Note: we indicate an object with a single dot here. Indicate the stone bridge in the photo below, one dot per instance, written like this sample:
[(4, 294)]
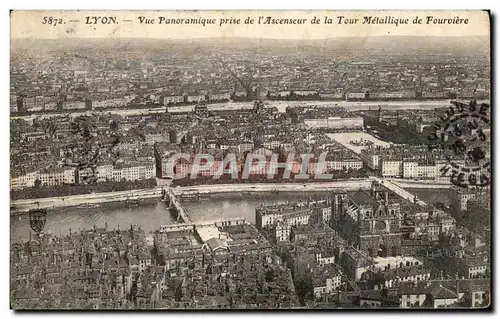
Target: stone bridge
[(173, 204)]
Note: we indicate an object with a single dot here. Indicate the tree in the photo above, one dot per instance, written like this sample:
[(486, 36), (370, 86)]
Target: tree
[(38, 183), (270, 274), (178, 293), (304, 288)]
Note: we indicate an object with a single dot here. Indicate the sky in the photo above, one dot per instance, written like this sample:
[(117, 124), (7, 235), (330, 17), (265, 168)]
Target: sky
[(29, 24)]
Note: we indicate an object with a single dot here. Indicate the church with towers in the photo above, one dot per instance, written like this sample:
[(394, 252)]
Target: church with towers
[(371, 221)]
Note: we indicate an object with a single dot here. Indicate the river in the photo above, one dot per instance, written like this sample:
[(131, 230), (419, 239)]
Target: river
[(280, 105), (222, 206), (432, 196), (350, 106), (150, 214)]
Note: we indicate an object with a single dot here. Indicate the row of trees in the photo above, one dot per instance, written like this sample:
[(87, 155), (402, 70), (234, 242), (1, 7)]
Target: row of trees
[(39, 191), (278, 178)]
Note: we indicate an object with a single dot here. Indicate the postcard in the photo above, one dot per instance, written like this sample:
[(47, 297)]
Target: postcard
[(250, 160)]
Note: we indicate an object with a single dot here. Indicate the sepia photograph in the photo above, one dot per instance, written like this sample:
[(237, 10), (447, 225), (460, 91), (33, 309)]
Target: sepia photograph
[(250, 160)]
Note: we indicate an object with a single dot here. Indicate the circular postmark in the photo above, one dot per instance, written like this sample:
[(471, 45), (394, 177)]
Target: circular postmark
[(462, 136)]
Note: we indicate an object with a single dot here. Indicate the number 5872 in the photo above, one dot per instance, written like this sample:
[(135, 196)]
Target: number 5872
[(52, 21)]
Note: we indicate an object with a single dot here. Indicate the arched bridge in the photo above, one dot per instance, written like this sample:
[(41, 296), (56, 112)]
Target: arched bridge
[(173, 204)]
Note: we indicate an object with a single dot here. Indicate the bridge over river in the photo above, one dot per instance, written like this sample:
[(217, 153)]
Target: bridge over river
[(174, 205)]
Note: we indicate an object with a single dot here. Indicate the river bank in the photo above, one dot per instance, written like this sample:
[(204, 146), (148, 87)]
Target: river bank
[(273, 187), (20, 206), (151, 213), (24, 205), (422, 184), (280, 105)]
